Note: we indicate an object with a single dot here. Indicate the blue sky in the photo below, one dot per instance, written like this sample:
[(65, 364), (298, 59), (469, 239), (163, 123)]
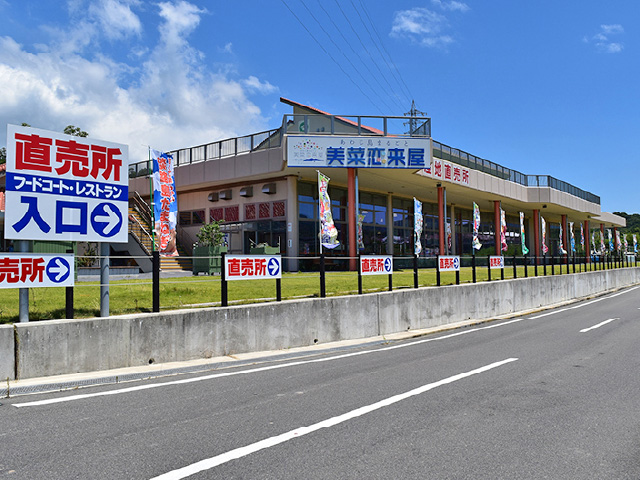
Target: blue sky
[(543, 87)]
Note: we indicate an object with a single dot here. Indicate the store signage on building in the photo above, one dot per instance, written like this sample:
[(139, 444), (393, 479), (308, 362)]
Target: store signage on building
[(449, 263), (358, 152), (496, 261), (65, 188), (252, 267), (447, 171), (376, 265), (36, 270)]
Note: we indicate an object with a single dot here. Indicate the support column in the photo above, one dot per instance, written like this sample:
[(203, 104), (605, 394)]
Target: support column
[(587, 241), (497, 228), (536, 232), (453, 230), (351, 195), (565, 236), (389, 221), (441, 221), (292, 235)]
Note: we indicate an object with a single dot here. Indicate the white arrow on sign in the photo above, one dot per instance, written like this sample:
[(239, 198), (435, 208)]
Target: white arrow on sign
[(112, 219), (60, 268)]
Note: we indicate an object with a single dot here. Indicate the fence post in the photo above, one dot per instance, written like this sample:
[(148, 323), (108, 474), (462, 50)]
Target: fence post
[(489, 267), (438, 271), (535, 266), (155, 262), (515, 271), (278, 289), (415, 271), (457, 277), (323, 291), (544, 264), (473, 265), (223, 285), (526, 265), (553, 265)]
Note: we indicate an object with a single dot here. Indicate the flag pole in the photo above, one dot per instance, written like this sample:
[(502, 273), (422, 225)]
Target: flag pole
[(153, 209)]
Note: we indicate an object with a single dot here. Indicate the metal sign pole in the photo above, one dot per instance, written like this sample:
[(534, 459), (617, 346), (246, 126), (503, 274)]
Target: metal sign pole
[(104, 279), (23, 315)]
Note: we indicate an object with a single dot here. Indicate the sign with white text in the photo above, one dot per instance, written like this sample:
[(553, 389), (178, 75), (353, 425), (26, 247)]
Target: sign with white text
[(36, 270), (252, 267), (358, 152), (443, 170), (65, 188), (496, 261), (449, 263), (376, 264)]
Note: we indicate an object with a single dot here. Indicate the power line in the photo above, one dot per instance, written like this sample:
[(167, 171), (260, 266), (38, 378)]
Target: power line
[(338, 48), (375, 30), (330, 56), (375, 77), (363, 45)]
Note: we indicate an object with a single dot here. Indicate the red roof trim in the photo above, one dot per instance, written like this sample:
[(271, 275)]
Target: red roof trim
[(346, 120)]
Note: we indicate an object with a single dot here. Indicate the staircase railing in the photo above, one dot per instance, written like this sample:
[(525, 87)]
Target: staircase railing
[(139, 233)]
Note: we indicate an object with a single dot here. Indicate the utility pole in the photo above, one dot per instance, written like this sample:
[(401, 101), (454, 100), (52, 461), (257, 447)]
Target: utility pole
[(412, 114)]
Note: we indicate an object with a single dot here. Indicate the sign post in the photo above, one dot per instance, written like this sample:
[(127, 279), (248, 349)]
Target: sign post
[(65, 188)]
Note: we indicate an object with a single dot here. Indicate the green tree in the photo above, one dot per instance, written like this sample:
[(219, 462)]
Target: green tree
[(75, 131)]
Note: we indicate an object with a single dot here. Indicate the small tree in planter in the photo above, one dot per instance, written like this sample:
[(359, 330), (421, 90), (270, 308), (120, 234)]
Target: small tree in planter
[(208, 249)]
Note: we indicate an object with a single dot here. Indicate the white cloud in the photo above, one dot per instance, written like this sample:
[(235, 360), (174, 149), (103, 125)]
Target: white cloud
[(602, 39), (253, 83), (165, 97), (452, 5), (422, 26), (116, 18)]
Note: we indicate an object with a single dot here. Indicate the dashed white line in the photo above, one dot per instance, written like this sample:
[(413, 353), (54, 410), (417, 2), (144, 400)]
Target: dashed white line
[(212, 462), (598, 325)]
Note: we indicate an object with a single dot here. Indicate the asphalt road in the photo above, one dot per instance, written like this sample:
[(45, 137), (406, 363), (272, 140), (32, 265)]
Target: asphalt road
[(550, 395)]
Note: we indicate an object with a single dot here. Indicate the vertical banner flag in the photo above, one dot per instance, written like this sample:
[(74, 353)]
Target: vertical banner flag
[(503, 231), (165, 203), (545, 249), (572, 237), (476, 226), (360, 240), (626, 243), (449, 236), (582, 236), (328, 231), (417, 226), (610, 239), (593, 242), (525, 250), (635, 243), (603, 249), (561, 244), (618, 243)]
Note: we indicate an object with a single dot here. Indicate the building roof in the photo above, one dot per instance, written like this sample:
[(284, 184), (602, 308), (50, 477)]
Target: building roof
[(320, 112)]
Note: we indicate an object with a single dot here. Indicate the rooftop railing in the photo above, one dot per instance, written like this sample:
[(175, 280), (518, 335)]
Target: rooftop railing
[(318, 124), (460, 157)]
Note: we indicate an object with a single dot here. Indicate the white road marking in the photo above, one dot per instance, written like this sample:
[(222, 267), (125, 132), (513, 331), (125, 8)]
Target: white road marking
[(71, 398), (212, 462), (598, 325), (584, 304)]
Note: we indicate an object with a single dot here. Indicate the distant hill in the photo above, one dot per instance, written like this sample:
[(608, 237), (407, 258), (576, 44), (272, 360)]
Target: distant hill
[(633, 222)]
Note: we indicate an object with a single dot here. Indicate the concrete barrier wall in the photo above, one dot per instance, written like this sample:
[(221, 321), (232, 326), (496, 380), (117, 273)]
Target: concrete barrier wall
[(7, 352), (68, 346)]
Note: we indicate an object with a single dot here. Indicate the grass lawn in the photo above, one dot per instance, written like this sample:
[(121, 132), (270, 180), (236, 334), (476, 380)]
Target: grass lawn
[(132, 296)]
